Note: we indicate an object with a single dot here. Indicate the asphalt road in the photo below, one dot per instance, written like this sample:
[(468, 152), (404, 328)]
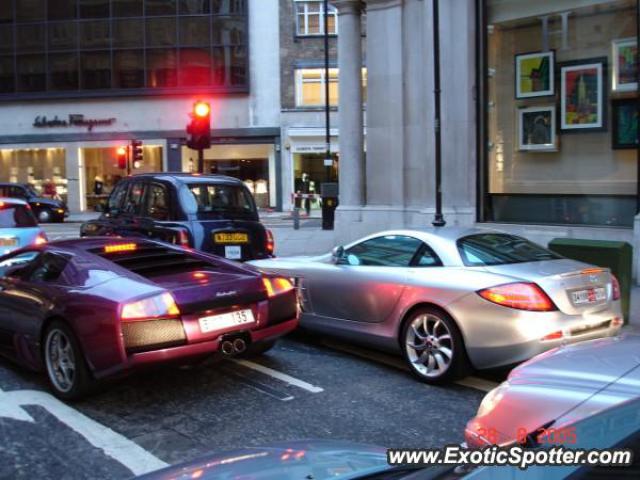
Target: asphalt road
[(307, 387)]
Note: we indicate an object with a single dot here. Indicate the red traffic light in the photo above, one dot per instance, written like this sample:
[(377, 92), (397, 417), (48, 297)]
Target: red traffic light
[(122, 154), (201, 109)]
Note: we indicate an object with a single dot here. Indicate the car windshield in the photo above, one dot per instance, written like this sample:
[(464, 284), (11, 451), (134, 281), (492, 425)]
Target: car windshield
[(16, 216), (488, 249), (213, 198)]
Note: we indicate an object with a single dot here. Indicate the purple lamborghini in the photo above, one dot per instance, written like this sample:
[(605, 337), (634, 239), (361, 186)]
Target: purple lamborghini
[(87, 309)]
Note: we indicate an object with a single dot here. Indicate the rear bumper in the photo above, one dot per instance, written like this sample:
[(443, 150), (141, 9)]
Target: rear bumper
[(497, 336), (173, 354)]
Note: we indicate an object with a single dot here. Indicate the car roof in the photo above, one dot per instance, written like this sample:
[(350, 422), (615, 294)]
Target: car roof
[(441, 239), (15, 201), (183, 178)]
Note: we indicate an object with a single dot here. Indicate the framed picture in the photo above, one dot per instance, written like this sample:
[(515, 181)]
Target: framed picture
[(625, 69), (537, 129), (535, 74), (624, 129), (582, 95)]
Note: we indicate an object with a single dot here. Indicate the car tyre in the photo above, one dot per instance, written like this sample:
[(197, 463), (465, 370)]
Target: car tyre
[(432, 346), (259, 348), (66, 368), (44, 215)]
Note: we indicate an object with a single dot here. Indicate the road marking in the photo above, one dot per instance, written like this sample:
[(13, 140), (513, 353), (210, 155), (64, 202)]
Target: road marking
[(392, 361), (259, 387), (279, 375), (114, 445), (478, 383)]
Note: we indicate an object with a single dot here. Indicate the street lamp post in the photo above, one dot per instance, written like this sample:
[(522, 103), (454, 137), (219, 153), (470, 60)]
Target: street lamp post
[(438, 218)]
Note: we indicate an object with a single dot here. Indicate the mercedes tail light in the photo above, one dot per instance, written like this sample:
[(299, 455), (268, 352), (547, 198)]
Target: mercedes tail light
[(615, 288), (277, 285), (159, 306), (40, 239), (521, 296), (270, 243)]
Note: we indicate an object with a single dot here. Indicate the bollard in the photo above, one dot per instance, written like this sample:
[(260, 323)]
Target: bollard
[(296, 218)]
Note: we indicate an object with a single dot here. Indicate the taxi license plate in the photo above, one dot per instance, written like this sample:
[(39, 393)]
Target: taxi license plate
[(226, 320), (589, 295), (231, 238), (8, 242)]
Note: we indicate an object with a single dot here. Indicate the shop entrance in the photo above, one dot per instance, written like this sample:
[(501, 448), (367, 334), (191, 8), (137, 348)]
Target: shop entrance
[(309, 172)]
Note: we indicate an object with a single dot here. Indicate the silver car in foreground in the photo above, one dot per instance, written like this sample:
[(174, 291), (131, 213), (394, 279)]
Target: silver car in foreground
[(451, 298), (556, 389)]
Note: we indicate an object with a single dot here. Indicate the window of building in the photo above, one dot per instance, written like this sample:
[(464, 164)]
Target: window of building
[(561, 128), (310, 86), (310, 18), (112, 47)]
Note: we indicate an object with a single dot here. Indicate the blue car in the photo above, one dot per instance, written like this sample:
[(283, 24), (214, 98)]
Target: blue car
[(18, 226)]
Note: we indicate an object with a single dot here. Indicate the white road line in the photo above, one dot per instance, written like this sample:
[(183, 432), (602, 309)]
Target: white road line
[(280, 376), (116, 446), (471, 382), (478, 383)]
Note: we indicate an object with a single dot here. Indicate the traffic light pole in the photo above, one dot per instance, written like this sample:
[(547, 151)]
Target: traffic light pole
[(200, 160), (128, 160)]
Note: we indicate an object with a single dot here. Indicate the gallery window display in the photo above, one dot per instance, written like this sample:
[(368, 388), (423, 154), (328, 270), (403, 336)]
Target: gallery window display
[(561, 112), (42, 168)]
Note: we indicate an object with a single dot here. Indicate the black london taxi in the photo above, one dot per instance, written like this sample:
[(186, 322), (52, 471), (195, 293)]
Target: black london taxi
[(212, 213), (44, 208)]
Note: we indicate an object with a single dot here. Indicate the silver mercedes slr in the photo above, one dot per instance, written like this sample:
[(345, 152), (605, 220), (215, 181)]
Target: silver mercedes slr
[(452, 299)]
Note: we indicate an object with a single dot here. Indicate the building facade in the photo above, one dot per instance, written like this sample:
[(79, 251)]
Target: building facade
[(302, 84), (539, 117), (78, 78)]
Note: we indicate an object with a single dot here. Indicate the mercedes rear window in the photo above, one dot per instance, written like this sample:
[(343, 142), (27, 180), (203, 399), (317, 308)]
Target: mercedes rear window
[(487, 249), (16, 216), (222, 199)]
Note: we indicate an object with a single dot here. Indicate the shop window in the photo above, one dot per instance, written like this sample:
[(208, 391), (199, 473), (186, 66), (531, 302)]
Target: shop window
[(561, 112), (193, 7), (128, 69), (63, 36), (128, 33), (95, 70), (6, 38), (228, 7), (39, 168), (6, 13), (93, 8), (29, 10), (30, 38), (161, 32), (310, 18), (128, 8), (162, 68), (32, 73), (194, 31), (61, 9), (228, 30), (63, 71), (195, 67), (160, 7), (7, 83), (95, 34)]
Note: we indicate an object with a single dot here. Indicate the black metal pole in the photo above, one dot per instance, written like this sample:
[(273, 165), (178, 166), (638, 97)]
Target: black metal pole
[(438, 219), (200, 160), (327, 102)]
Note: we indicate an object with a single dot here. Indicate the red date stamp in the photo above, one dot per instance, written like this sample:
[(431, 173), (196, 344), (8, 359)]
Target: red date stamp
[(548, 436)]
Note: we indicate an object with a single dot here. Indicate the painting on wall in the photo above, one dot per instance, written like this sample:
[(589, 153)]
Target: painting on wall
[(535, 74), (537, 129), (624, 76), (582, 95), (624, 127)]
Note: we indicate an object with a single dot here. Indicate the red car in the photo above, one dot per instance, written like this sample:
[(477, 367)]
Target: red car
[(87, 309)]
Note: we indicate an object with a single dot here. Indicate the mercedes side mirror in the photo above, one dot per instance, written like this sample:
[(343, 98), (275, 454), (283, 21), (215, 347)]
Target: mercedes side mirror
[(337, 253)]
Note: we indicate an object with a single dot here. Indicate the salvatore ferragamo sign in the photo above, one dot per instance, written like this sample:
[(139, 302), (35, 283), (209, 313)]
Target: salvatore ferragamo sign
[(73, 120)]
